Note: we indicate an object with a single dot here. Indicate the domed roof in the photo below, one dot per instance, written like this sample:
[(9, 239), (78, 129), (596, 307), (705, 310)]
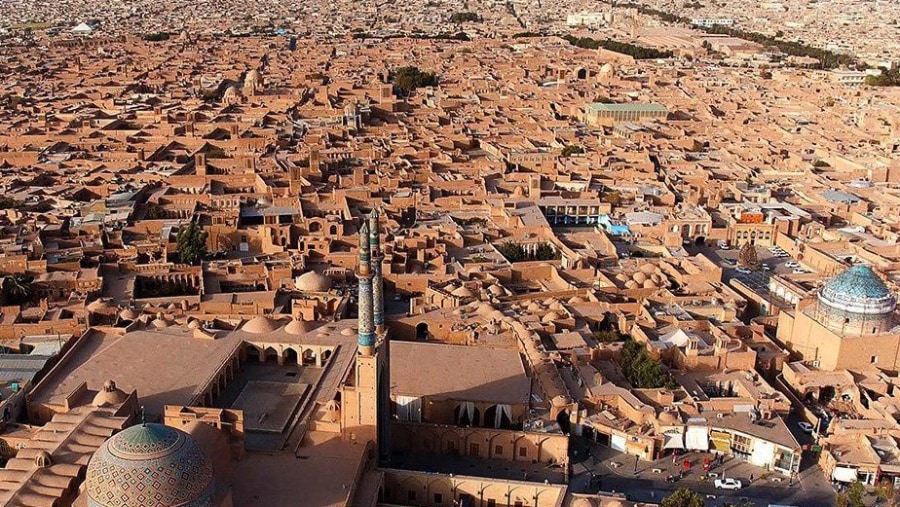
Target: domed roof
[(110, 395), (299, 327), (151, 465), (484, 309), (160, 322), (858, 289), (550, 317), (128, 314), (100, 305), (260, 325), (230, 93), (668, 418), (462, 292), (313, 282)]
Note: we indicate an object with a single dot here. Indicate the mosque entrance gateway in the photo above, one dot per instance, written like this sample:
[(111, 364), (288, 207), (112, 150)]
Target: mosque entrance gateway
[(422, 332)]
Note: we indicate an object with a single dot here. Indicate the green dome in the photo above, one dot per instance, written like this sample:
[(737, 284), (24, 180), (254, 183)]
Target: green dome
[(858, 290)]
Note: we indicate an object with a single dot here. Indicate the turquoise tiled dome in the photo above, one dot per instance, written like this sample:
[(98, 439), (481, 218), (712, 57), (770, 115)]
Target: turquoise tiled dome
[(859, 290), (150, 465)]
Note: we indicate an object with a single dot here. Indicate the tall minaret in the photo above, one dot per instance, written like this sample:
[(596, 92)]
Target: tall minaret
[(383, 351), (377, 282), (366, 333)]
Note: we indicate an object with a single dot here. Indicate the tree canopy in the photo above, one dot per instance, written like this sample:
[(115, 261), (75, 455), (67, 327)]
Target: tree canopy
[(407, 79), (641, 371), (635, 51), (683, 497), (462, 17), (571, 149), (16, 289), (888, 77), (853, 497), (192, 244), (518, 253), (827, 59)]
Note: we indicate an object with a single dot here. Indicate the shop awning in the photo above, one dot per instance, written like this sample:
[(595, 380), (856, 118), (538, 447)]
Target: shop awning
[(697, 438), (673, 441), (720, 445), (844, 474)]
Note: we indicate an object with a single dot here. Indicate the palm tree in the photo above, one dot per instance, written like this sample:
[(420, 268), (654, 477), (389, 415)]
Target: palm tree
[(16, 289)]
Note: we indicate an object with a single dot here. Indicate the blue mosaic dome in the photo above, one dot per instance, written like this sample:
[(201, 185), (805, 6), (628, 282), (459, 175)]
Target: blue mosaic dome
[(859, 290), (149, 465)]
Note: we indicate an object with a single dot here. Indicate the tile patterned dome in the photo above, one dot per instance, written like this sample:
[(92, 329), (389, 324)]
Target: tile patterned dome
[(149, 465), (858, 290)]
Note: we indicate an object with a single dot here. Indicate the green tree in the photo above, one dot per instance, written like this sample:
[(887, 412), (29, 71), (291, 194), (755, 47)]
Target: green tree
[(571, 149), (7, 202), (641, 371), (855, 494), (518, 253), (512, 251), (462, 17), (156, 37), (192, 244), (16, 289), (683, 497), (407, 79), (613, 198), (608, 336), (637, 52), (885, 493)]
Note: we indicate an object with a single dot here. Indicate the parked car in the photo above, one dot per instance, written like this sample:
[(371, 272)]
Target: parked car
[(805, 427), (728, 483), (744, 271), (800, 271)]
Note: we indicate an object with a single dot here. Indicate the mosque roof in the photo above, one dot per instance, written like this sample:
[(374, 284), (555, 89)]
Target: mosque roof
[(858, 282), (858, 289), (151, 465)]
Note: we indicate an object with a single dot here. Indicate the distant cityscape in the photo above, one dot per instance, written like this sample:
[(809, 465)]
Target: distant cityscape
[(449, 254)]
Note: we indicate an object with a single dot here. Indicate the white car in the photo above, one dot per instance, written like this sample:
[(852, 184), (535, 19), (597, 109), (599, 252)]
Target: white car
[(743, 271), (805, 427), (728, 483), (792, 264)]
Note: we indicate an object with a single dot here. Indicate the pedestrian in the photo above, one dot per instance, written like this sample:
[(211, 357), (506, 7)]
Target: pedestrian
[(751, 477)]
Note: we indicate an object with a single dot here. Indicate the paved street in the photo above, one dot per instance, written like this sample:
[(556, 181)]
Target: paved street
[(614, 472)]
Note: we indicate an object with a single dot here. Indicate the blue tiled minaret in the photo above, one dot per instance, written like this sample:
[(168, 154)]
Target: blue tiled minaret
[(377, 282), (366, 333)]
